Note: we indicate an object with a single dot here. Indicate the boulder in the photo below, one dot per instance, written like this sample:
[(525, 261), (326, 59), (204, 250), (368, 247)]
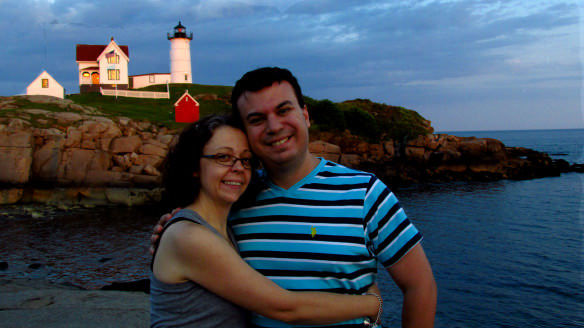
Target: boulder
[(10, 195), (16, 138), (128, 144), (74, 165), (129, 197), (325, 150), (153, 149), (66, 118), (15, 165), (46, 160), (73, 139)]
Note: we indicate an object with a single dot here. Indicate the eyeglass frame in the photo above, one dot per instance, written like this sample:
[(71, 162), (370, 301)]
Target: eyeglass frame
[(233, 160)]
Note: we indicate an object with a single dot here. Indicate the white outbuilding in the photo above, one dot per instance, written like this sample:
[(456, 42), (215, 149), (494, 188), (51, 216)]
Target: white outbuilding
[(46, 85)]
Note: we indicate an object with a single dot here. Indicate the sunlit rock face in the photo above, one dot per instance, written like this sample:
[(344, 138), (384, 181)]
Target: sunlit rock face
[(79, 156)]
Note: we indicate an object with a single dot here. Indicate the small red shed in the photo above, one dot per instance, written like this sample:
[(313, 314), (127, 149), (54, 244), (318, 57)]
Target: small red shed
[(186, 109)]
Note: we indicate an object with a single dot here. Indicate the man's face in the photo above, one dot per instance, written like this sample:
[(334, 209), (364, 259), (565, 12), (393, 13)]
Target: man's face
[(276, 125)]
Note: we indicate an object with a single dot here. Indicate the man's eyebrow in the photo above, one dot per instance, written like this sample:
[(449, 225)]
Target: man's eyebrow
[(284, 103)]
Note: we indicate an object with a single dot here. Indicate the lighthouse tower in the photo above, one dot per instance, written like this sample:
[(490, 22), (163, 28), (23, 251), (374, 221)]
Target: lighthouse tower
[(180, 55)]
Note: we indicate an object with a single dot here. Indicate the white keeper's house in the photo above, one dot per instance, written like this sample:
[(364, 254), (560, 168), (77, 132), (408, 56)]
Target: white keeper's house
[(103, 66)]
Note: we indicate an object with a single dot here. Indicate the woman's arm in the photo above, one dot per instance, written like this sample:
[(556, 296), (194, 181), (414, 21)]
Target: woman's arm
[(189, 251)]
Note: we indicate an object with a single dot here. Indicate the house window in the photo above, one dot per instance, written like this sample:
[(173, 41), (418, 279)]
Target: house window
[(45, 83), (113, 74), (186, 77), (85, 74), (113, 59), (151, 79)]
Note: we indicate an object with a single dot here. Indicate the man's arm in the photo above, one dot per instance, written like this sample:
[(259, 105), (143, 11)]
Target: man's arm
[(413, 275)]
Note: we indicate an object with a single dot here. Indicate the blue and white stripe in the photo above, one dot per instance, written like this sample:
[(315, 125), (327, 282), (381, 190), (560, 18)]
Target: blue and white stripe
[(326, 233)]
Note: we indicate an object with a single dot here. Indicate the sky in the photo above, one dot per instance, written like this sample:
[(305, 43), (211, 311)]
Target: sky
[(464, 65)]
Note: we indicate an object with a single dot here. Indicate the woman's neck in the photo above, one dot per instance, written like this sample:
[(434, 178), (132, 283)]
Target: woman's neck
[(215, 214)]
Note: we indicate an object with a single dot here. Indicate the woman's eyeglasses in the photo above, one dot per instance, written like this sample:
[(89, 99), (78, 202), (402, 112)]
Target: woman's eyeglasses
[(230, 160)]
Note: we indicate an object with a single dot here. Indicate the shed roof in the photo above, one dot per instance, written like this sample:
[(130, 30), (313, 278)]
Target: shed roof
[(185, 95)]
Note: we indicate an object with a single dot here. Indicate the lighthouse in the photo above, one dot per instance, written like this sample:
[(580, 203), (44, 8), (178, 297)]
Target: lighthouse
[(180, 55)]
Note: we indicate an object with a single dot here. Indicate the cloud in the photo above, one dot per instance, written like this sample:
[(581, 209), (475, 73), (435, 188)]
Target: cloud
[(407, 53)]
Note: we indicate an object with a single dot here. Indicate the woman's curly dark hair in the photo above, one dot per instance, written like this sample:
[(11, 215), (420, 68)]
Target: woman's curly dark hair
[(183, 159)]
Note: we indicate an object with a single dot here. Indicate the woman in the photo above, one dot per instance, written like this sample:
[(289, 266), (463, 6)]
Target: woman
[(198, 279)]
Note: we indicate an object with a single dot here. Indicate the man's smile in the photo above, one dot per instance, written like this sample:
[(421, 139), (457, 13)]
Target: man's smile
[(281, 141)]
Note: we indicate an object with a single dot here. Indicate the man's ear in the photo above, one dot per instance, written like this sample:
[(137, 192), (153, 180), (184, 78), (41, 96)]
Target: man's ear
[(306, 117)]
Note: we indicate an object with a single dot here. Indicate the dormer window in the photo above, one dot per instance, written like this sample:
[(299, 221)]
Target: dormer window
[(45, 83), (113, 59)]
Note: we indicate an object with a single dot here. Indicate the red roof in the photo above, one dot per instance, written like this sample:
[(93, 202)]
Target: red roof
[(90, 52)]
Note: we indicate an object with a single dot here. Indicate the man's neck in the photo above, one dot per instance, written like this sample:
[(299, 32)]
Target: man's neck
[(286, 177)]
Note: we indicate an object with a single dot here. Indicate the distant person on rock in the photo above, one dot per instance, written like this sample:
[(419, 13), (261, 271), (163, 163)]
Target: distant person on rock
[(318, 225), (198, 279)]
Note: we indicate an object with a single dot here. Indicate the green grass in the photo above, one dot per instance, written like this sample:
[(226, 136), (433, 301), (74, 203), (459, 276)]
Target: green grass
[(394, 122), (160, 111)]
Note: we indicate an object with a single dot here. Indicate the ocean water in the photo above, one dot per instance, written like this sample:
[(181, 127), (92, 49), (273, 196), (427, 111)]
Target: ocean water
[(504, 253)]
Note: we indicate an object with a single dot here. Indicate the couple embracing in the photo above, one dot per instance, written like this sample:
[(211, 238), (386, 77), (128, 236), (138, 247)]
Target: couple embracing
[(300, 246)]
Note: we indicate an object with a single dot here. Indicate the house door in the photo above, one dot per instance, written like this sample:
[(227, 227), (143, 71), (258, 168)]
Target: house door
[(95, 78)]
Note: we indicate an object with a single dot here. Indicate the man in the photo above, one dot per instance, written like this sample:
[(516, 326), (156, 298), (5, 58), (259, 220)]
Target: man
[(318, 225)]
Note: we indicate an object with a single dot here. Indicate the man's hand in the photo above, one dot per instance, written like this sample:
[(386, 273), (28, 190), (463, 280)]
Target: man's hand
[(374, 289), (158, 229)]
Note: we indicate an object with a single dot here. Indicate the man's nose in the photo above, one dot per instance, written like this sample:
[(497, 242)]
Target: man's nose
[(273, 124)]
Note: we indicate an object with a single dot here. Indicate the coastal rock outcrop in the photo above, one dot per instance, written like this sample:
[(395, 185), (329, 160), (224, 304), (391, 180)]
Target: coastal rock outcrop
[(79, 156), (441, 158), (48, 156)]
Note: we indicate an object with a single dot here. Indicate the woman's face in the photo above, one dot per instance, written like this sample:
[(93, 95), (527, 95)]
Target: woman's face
[(221, 183)]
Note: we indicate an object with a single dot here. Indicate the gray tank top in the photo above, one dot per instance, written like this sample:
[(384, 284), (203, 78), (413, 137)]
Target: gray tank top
[(189, 304)]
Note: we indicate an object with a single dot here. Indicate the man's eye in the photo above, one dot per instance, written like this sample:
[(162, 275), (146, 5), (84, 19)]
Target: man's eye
[(254, 121), (284, 110)]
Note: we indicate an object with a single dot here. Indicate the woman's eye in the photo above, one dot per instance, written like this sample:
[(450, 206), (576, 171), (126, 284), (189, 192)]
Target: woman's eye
[(223, 157)]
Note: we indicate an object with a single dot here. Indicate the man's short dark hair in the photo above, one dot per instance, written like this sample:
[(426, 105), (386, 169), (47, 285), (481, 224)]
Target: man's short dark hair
[(262, 78)]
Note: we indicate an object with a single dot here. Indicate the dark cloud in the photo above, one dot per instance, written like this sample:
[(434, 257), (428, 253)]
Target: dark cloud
[(432, 56)]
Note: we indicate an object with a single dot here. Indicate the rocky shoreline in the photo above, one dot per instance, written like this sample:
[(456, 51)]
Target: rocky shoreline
[(77, 156), (38, 303)]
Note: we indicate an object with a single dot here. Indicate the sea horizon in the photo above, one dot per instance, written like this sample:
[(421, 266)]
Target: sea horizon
[(505, 130)]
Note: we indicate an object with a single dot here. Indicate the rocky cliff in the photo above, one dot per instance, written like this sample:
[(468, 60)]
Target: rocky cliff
[(440, 158), (78, 156)]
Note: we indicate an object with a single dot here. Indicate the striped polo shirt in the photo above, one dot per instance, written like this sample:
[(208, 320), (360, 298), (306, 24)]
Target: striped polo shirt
[(326, 233)]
